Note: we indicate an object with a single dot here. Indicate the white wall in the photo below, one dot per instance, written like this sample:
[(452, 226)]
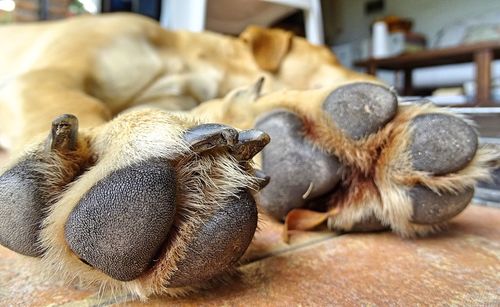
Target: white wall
[(348, 23)]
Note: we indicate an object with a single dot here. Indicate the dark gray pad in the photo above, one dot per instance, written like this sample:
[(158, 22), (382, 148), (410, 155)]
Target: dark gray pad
[(121, 223), (293, 164), (360, 109), (441, 143), (219, 243), (22, 205), (22, 197), (431, 208)]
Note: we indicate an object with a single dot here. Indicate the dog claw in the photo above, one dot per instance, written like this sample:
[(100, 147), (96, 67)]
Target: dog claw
[(205, 137), (264, 179), (64, 133), (250, 143)]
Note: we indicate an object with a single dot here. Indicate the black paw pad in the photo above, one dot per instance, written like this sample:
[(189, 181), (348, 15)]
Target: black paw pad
[(121, 223), (441, 143), (360, 109), (22, 205), (219, 243), (430, 207), (298, 170)]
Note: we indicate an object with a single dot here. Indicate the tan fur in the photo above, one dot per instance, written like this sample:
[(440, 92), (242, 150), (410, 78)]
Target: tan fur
[(268, 46), (95, 67)]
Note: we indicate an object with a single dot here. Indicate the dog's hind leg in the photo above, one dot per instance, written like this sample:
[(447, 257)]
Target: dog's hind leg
[(360, 161)]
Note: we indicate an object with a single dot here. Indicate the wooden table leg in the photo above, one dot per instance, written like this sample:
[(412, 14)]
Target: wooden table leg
[(408, 82), (372, 69), (483, 60)]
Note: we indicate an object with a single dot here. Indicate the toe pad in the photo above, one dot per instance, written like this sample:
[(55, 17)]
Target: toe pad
[(360, 109), (295, 166), (22, 204), (120, 224), (441, 143), (430, 207), (219, 243)]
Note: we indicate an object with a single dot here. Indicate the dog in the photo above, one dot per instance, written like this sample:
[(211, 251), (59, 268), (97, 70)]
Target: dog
[(134, 150)]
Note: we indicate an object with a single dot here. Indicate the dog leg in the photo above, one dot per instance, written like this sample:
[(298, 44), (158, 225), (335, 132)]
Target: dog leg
[(362, 161)]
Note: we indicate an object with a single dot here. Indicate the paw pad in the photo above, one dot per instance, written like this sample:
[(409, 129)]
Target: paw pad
[(299, 170), (387, 166), (121, 223), (360, 109), (441, 143)]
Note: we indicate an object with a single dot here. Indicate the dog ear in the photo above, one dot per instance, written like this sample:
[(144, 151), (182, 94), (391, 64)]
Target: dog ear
[(269, 46)]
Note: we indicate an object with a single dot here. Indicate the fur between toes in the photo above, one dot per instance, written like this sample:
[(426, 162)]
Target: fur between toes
[(394, 176)]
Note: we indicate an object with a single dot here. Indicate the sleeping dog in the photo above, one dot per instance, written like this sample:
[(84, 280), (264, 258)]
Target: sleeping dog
[(118, 175)]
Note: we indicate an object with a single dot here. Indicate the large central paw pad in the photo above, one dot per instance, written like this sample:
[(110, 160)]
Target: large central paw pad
[(163, 208), (363, 159), (300, 171), (125, 216)]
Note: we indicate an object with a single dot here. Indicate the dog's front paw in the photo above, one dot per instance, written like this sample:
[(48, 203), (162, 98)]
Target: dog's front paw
[(150, 203), (355, 160)]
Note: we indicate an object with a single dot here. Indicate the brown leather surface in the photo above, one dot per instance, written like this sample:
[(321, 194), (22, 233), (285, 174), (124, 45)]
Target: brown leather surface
[(458, 267)]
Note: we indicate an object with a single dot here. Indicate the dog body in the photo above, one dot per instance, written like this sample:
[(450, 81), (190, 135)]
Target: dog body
[(96, 67)]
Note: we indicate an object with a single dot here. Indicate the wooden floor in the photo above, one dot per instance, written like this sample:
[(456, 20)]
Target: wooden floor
[(458, 267)]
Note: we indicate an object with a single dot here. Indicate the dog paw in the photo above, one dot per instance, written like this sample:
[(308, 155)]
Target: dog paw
[(366, 163), (150, 203), (33, 182)]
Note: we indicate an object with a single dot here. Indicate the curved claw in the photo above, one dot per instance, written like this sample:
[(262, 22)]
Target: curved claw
[(64, 133), (250, 143), (206, 137), (257, 88), (264, 179)]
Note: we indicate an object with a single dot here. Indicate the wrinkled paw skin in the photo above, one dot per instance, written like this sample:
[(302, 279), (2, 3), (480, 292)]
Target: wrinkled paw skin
[(163, 209), (366, 163)]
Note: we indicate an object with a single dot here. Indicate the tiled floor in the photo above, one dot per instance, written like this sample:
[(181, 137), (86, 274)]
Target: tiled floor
[(460, 266)]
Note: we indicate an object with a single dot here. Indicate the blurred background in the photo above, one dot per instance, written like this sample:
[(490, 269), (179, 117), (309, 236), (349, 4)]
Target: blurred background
[(350, 27)]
